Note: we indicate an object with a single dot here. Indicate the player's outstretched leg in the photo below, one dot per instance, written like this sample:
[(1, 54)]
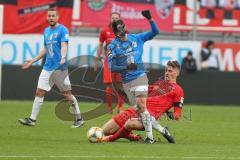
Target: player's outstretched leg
[(168, 135), (146, 118), (122, 133), (163, 130)]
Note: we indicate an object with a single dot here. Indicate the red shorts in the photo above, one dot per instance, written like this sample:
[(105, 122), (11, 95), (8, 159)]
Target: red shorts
[(123, 117), (109, 76)]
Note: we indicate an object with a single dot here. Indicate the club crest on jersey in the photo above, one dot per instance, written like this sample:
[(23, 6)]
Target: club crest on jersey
[(55, 35), (164, 7), (134, 44)]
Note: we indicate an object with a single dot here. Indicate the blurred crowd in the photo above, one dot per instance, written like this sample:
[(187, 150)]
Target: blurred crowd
[(209, 60)]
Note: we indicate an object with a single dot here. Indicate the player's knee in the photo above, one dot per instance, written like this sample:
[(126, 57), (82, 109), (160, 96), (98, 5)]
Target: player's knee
[(109, 128), (141, 107), (105, 131), (40, 92), (141, 104), (129, 124), (109, 86)]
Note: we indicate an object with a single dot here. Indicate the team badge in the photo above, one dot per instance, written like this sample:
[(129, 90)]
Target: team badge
[(134, 44), (164, 7), (96, 5), (55, 35)]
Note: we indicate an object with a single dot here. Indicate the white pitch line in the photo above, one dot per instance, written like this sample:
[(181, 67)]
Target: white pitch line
[(119, 157)]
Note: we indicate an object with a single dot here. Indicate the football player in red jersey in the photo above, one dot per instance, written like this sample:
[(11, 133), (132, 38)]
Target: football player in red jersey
[(163, 95), (106, 36)]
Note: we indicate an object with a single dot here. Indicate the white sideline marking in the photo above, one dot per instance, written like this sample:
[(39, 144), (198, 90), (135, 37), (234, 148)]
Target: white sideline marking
[(118, 157)]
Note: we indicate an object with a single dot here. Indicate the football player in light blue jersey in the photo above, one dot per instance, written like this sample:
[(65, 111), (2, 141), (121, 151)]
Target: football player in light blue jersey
[(125, 57), (55, 69)]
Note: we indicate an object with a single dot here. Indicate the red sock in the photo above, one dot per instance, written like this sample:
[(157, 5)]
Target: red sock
[(120, 103), (122, 132), (133, 137), (109, 97)]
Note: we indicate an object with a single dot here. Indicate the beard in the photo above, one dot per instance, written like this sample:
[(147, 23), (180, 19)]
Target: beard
[(52, 24)]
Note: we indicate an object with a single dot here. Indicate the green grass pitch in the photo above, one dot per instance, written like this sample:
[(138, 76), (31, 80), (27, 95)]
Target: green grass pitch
[(209, 133)]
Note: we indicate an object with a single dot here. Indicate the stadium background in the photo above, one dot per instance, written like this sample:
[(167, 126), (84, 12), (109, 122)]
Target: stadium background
[(181, 30), (209, 128)]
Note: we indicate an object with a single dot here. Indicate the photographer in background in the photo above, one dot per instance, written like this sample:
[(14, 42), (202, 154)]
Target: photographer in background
[(189, 63), (209, 60)]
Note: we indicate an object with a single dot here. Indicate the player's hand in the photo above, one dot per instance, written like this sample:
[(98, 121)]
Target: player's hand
[(63, 60), (27, 64), (170, 115), (132, 66), (147, 14)]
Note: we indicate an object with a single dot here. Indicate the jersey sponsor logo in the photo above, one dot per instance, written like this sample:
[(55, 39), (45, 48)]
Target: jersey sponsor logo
[(129, 49), (50, 37)]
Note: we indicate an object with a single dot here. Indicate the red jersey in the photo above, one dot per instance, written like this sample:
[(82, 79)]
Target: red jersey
[(106, 36), (162, 97)]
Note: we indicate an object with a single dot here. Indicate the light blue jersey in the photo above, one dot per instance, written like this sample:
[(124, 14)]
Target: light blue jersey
[(122, 53), (52, 42)]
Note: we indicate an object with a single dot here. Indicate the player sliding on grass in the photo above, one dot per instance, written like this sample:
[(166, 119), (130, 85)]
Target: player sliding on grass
[(55, 69), (163, 95), (125, 56)]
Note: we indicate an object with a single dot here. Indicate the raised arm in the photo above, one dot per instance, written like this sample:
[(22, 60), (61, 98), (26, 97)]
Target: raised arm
[(148, 35)]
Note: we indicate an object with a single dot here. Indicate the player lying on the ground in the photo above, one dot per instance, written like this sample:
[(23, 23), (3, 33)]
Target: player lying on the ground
[(163, 95)]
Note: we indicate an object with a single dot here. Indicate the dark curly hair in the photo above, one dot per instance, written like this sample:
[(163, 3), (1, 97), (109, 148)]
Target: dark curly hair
[(115, 24)]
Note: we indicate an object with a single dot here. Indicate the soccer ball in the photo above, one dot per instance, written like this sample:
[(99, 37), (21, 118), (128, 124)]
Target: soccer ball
[(95, 134)]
